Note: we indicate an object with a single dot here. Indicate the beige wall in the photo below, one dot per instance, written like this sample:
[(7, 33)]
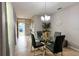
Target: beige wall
[(36, 24), (67, 22), (4, 28), (1, 29), (10, 25)]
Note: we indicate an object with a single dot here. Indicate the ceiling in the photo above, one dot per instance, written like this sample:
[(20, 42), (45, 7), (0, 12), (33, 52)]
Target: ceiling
[(29, 9)]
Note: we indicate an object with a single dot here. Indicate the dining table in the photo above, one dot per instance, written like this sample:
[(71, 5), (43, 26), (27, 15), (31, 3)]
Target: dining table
[(45, 41)]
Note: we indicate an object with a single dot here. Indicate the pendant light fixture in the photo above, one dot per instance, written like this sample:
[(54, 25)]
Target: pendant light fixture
[(45, 18)]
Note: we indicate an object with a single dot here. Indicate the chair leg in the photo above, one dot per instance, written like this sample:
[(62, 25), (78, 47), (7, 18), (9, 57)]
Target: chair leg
[(55, 54), (34, 52), (43, 51), (61, 53)]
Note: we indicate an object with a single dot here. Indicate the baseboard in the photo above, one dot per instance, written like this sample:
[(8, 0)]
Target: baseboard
[(73, 48)]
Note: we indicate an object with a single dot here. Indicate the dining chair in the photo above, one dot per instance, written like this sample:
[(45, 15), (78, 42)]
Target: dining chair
[(57, 46), (52, 39), (36, 44)]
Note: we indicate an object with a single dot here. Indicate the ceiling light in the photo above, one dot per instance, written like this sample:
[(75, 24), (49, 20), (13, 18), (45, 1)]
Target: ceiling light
[(45, 18)]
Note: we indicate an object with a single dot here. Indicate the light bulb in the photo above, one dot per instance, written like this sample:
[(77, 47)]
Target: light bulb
[(48, 18), (42, 18), (45, 18)]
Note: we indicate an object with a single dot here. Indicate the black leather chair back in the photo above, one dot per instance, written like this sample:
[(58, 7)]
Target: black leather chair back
[(58, 43), (39, 34), (33, 40), (57, 34)]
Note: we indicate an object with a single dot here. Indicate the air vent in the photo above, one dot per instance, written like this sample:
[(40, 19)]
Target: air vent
[(59, 8)]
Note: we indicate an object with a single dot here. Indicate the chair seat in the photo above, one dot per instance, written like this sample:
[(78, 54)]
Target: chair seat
[(38, 44), (50, 41), (50, 46)]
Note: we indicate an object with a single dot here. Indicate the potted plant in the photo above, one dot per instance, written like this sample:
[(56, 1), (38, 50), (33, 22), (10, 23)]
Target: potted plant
[(46, 26)]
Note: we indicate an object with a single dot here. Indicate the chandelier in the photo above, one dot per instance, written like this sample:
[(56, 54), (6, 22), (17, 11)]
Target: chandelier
[(45, 18)]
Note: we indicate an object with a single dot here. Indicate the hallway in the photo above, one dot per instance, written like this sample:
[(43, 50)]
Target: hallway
[(23, 46)]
